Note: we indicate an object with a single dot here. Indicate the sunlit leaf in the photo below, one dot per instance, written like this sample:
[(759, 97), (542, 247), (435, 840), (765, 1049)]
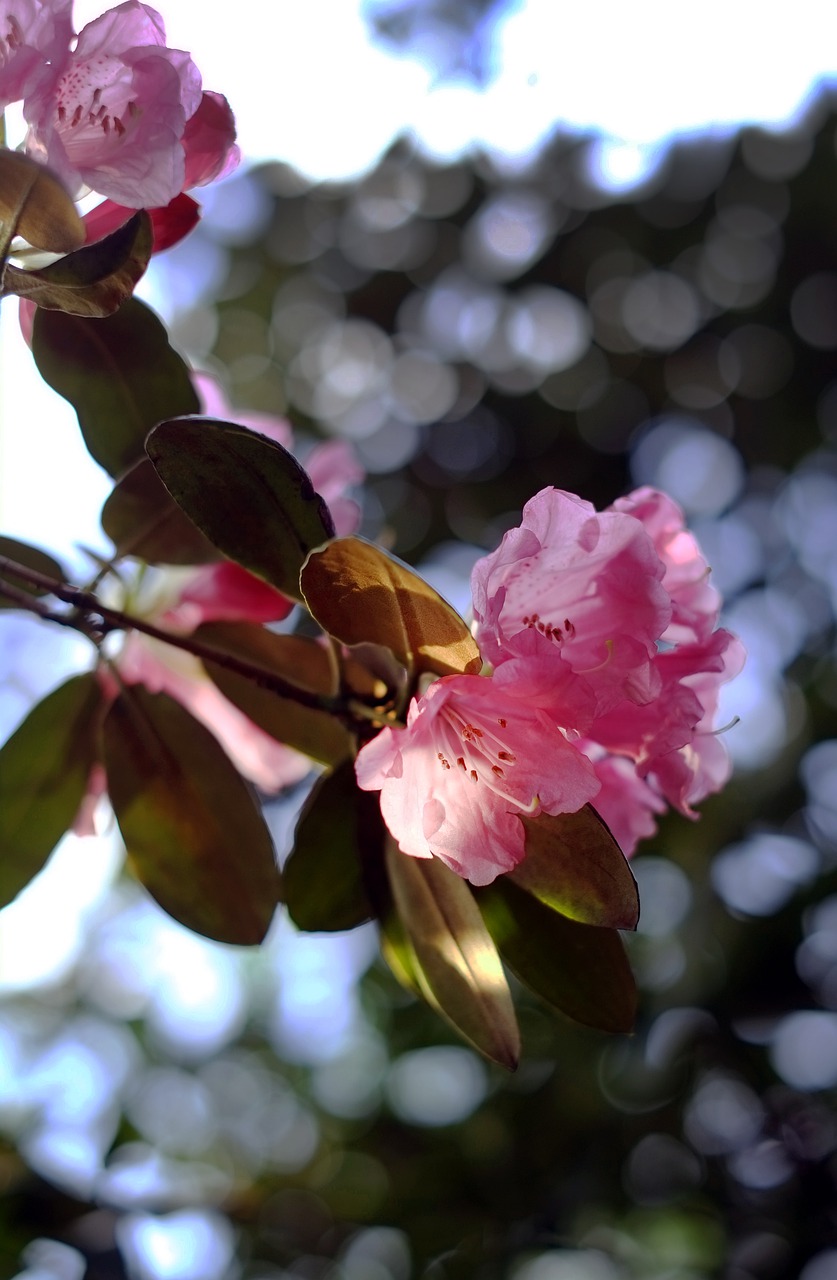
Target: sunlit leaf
[(93, 281), (192, 827), (297, 659), (574, 865), (457, 963), (323, 877), (580, 969), (44, 771), (35, 205), (142, 519), (358, 593), (250, 496), (119, 374), (30, 558)]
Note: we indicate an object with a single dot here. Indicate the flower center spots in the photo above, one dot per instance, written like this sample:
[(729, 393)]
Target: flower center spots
[(11, 42), (83, 108), (557, 634), (477, 749)]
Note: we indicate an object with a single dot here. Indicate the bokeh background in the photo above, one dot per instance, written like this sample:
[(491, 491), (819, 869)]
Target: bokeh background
[(575, 314)]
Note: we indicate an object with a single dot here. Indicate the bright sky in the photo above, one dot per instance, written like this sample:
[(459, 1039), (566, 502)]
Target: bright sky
[(308, 88)]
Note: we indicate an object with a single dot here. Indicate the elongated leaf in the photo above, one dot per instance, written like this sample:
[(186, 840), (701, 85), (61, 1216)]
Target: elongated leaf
[(119, 374), (34, 204), (44, 771), (574, 865), (359, 593), (579, 969), (142, 519), (30, 558), (93, 281), (250, 496), (457, 963), (324, 887), (193, 830), (297, 659)]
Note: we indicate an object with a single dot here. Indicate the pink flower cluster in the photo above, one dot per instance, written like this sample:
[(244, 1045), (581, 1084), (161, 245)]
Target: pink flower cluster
[(115, 111), (601, 632)]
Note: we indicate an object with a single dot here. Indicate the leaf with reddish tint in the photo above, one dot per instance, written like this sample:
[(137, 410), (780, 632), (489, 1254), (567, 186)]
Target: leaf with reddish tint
[(324, 885), (44, 771), (574, 865), (454, 957), (580, 969), (250, 496), (35, 205), (31, 558), (358, 593), (297, 659), (192, 827), (92, 281), (142, 519), (120, 375)]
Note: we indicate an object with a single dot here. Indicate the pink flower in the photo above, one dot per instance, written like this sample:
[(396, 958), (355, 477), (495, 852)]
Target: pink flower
[(470, 761), (35, 40), (116, 118), (332, 465), (576, 598)]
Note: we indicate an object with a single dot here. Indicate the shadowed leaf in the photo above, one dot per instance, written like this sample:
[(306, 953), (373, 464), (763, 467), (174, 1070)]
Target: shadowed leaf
[(250, 496), (324, 888), (119, 374), (141, 518), (93, 281), (456, 961), (30, 558), (35, 205), (192, 827), (297, 659), (44, 771), (580, 969), (358, 593), (574, 865)]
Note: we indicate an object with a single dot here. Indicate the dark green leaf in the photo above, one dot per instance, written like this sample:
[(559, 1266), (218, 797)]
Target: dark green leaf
[(142, 519), (358, 593), (456, 962), (30, 558), (297, 659), (192, 827), (250, 496), (119, 374), (324, 888), (34, 205), (574, 865), (93, 281), (44, 772), (580, 969)]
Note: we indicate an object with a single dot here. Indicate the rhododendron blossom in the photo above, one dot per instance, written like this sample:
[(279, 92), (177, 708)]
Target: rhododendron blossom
[(469, 763), (115, 120), (34, 43)]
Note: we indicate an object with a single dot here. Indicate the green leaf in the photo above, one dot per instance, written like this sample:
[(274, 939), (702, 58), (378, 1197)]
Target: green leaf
[(93, 281), (44, 773), (35, 205), (358, 593), (30, 558), (192, 827), (119, 374), (454, 958), (574, 865), (142, 519), (324, 886), (250, 496), (297, 659), (580, 969)]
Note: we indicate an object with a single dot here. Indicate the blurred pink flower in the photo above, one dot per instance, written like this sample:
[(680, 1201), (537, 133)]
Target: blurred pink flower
[(35, 40), (115, 120), (470, 761)]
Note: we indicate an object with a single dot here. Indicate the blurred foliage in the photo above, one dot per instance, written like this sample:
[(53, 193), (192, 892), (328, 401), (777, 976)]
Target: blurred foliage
[(480, 332)]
